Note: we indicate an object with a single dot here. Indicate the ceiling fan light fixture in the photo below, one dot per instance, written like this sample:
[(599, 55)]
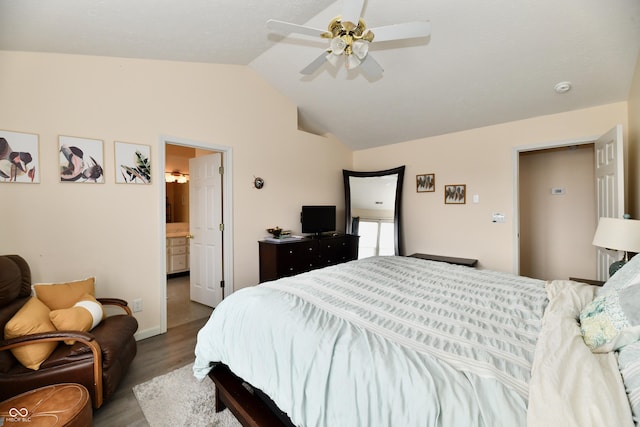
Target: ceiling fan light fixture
[(360, 48), (349, 38), (338, 46), (334, 59), (352, 62)]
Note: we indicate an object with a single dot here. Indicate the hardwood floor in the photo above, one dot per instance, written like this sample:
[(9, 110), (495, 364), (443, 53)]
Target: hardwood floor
[(180, 309), (156, 356)]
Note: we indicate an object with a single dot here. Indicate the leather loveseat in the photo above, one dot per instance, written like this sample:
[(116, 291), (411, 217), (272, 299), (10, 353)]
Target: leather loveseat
[(98, 359)]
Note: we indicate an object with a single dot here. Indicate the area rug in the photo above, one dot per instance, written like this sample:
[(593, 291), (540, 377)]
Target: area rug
[(179, 399)]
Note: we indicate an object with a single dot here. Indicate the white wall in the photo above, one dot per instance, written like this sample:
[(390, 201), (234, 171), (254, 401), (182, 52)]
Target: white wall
[(69, 231), (482, 159)]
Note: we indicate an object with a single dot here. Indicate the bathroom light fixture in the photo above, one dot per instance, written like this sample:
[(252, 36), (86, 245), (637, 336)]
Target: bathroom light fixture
[(176, 176)]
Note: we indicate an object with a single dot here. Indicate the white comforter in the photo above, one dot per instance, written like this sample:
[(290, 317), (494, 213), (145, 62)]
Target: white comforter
[(570, 386), (389, 341)]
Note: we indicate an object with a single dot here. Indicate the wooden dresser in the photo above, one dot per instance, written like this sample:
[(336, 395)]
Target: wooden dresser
[(282, 259)]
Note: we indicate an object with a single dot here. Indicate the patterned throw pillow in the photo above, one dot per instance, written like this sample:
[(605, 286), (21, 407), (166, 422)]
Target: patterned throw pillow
[(612, 320)]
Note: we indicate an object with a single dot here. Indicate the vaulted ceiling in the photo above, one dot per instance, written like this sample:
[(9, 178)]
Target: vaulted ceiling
[(486, 62)]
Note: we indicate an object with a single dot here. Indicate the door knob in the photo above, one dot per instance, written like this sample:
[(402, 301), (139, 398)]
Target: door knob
[(189, 236)]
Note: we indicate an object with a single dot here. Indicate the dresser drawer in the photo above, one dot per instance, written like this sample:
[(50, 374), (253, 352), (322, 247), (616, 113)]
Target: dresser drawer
[(296, 258), (178, 250), (178, 262), (177, 241), (290, 258)]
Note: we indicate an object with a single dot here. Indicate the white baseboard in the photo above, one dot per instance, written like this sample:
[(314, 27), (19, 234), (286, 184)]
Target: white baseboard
[(147, 333)]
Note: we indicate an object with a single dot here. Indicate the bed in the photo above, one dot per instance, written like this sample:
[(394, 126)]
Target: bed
[(390, 341)]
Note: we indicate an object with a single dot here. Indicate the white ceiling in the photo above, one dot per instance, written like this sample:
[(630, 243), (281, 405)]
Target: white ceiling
[(486, 62)]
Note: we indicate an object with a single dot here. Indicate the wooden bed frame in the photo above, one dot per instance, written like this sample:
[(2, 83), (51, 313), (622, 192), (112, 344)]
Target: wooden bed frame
[(250, 406)]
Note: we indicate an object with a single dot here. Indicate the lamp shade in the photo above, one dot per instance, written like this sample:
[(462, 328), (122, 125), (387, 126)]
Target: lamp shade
[(618, 234)]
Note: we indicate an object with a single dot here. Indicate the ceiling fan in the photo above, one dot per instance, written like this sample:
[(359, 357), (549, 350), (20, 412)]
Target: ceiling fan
[(350, 38)]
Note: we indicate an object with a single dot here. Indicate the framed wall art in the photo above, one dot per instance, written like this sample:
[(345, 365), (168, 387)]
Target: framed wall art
[(455, 194), (426, 183), (19, 158), (81, 160), (133, 163)]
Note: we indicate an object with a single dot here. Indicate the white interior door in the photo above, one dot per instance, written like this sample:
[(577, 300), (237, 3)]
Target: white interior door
[(609, 164), (205, 224)]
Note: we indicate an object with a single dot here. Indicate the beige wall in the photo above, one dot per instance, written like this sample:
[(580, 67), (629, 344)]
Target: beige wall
[(69, 231), (555, 225), (634, 144), (483, 159)]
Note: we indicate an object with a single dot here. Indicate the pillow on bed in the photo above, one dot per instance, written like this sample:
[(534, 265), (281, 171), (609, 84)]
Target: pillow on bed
[(628, 275), (629, 365), (612, 321)]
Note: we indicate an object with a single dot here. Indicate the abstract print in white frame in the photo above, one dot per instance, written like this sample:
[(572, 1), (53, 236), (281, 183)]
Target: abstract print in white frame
[(133, 163), (81, 159), (19, 158)]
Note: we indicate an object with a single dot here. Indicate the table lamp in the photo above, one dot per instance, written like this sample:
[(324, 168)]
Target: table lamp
[(618, 234)]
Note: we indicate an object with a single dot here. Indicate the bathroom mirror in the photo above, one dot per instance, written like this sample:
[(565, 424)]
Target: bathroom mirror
[(177, 202), (372, 210)]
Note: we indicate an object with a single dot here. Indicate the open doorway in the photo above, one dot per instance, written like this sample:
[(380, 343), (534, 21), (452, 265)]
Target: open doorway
[(179, 204), (557, 212), (607, 185)]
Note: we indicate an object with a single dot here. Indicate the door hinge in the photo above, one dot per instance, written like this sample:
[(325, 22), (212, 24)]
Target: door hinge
[(221, 170), (222, 283), (221, 227)]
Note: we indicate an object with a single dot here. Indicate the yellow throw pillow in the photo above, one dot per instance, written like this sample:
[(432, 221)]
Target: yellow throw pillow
[(32, 318), (64, 295), (83, 316)]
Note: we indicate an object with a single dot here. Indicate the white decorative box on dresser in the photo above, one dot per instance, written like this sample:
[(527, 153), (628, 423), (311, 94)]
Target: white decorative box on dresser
[(177, 248)]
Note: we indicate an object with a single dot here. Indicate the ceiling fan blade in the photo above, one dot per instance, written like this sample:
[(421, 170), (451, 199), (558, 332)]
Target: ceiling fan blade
[(287, 27), (315, 64), (407, 30), (371, 68), (352, 10)]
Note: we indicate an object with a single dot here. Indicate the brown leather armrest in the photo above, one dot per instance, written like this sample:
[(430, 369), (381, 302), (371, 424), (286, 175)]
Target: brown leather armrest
[(83, 337), (117, 302), (46, 337)]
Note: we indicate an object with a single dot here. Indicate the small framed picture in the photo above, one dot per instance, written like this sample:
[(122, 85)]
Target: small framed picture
[(455, 194), (81, 160), (426, 183), (133, 163), (19, 159)]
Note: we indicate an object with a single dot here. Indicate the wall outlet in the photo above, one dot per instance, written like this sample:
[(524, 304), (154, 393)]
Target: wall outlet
[(137, 305)]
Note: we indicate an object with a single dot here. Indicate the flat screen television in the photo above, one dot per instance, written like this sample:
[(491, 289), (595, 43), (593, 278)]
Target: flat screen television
[(318, 219)]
